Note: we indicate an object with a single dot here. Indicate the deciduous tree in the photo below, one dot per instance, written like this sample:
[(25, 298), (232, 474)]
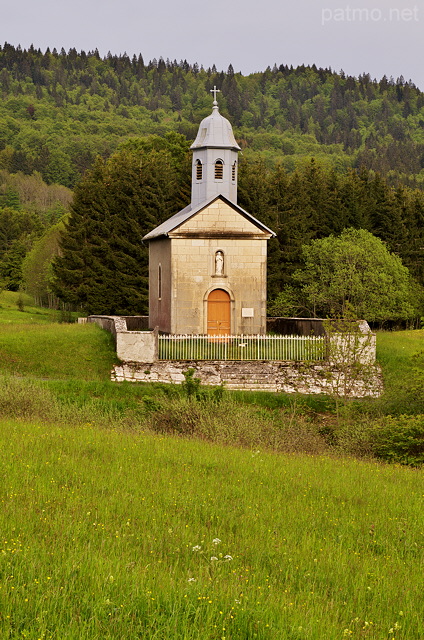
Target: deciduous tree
[(354, 273)]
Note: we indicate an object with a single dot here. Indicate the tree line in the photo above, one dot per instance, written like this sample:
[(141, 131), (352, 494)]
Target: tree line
[(29, 208), (59, 110), (103, 266)]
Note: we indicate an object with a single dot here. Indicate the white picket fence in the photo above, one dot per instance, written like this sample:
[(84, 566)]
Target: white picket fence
[(256, 347)]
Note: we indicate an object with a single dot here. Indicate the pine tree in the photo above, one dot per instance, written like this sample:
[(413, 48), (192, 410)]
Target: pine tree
[(103, 267)]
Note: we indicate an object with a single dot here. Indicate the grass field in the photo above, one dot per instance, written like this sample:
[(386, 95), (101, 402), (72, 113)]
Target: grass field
[(108, 534), (113, 528), (34, 343)]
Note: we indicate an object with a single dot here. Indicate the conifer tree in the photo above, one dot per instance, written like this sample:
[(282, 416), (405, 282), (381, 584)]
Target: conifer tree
[(103, 266)]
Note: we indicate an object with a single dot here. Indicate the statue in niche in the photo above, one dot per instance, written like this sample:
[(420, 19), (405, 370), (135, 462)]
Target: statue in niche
[(219, 263)]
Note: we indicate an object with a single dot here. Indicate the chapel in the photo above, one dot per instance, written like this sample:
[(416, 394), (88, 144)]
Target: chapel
[(207, 263)]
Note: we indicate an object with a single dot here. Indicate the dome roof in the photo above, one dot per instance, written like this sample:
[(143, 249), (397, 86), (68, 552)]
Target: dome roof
[(215, 131)]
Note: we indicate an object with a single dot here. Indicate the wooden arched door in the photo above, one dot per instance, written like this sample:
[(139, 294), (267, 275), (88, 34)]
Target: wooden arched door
[(219, 313)]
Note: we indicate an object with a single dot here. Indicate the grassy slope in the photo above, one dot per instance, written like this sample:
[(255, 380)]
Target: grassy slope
[(99, 530), (401, 356), (395, 348), (31, 343), (98, 525)]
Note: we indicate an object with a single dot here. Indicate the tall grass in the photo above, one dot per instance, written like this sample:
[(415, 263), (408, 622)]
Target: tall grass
[(401, 355), (215, 417), (33, 343), (109, 534), (111, 527)]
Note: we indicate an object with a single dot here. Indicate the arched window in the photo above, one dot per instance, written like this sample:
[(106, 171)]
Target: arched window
[(219, 170), (233, 171), (199, 170)]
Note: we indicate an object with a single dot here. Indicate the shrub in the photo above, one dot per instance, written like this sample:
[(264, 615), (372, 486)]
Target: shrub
[(192, 388), (191, 385), (24, 399), (414, 383), (355, 437), (400, 439), (228, 422)]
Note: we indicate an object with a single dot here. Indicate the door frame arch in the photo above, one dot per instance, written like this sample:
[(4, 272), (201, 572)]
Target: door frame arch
[(205, 306)]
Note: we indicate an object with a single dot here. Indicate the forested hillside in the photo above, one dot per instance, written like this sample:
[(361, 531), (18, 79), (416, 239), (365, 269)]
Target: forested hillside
[(320, 152), (129, 194), (60, 110)]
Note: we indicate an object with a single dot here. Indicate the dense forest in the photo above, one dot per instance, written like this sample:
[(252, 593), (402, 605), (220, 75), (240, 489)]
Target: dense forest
[(321, 151), (123, 198), (60, 110)]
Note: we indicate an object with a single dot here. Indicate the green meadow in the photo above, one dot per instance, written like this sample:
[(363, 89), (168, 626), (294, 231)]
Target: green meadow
[(34, 342), (110, 534), (160, 512)]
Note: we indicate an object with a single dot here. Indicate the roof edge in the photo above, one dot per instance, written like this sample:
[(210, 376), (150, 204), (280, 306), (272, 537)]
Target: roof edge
[(188, 212)]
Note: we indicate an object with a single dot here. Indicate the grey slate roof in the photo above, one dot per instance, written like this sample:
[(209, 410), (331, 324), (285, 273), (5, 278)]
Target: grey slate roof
[(215, 131), (188, 212)]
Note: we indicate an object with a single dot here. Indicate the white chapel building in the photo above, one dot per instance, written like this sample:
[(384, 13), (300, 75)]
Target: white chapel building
[(207, 263)]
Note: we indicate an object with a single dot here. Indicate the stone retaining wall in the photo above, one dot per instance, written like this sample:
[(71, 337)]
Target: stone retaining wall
[(138, 351), (139, 346), (287, 377)]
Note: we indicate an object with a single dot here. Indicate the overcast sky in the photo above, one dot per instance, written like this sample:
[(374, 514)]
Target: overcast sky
[(374, 36)]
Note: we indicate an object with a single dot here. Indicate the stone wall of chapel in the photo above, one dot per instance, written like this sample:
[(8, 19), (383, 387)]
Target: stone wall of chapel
[(160, 305), (218, 217), (193, 277)]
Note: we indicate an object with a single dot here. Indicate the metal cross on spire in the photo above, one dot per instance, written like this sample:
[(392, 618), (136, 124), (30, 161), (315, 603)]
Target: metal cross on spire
[(215, 91)]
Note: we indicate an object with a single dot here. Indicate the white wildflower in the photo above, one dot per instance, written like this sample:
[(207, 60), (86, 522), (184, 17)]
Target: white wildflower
[(216, 541), (213, 558), (197, 547), (228, 558), (191, 580)]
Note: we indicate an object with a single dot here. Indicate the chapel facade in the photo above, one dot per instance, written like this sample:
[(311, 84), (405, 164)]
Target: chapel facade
[(207, 263)]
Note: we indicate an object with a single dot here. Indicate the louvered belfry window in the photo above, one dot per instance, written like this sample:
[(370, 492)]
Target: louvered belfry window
[(233, 172), (219, 170), (199, 170)]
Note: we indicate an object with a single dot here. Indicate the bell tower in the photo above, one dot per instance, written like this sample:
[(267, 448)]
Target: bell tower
[(215, 159)]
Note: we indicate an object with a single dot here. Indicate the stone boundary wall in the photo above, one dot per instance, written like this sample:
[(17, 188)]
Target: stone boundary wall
[(288, 377), (349, 371), (277, 325), (137, 323), (113, 324), (138, 346), (295, 326)]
